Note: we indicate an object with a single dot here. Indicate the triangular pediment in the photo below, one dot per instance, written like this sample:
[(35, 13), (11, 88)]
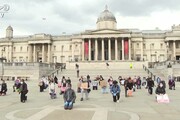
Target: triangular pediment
[(107, 31)]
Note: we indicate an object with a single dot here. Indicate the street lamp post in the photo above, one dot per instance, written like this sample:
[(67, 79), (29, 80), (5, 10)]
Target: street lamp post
[(2, 60), (167, 52), (150, 56)]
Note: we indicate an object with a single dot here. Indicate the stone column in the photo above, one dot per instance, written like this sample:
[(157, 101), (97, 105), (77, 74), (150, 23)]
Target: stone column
[(10, 52), (96, 50), (116, 50), (49, 53), (29, 53), (129, 48), (102, 50), (89, 58), (167, 47), (142, 50), (82, 49), (72, 51), (34, 53), (174, 50), (109, 49), (43, 52), (122, 48)]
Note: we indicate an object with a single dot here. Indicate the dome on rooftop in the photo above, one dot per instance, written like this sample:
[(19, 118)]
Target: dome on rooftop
[(106, 15), (9, 28)]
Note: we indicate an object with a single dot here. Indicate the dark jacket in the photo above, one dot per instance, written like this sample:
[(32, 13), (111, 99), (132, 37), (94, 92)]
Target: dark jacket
[(4, 87), (150, 83), (129, 85), (160, 90), (171, 83), (69, 95), (23, 88)]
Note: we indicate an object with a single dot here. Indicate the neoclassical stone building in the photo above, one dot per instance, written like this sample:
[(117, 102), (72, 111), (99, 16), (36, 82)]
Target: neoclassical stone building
[(105, 43)]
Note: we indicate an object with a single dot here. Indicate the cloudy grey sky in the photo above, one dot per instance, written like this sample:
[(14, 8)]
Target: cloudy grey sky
[(74, 16)]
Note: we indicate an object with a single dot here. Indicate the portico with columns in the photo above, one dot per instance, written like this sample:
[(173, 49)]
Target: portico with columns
[(39, 48), (39, 52), (106, 49)]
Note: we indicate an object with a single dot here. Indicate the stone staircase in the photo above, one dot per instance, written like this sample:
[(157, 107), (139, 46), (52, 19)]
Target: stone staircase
[(157, 73), (115, 73)]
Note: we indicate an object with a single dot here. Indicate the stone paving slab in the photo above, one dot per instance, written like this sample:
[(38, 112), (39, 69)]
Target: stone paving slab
[(99, 106)]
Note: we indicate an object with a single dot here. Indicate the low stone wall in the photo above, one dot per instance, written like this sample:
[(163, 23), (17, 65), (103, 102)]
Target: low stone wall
[(29, 71)]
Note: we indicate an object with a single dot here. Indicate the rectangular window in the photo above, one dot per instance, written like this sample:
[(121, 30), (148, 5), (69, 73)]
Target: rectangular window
[(161, 45), (14, 49), (144, 46), (54, 47), (20, 48), (137, 45), (152, 45)]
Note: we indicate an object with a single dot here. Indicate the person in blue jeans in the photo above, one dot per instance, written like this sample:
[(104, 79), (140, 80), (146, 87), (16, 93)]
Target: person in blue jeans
[(69, 97), (115, 90)]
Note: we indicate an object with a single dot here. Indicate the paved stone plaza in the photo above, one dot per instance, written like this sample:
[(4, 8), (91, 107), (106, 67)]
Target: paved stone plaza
[(39, 106)]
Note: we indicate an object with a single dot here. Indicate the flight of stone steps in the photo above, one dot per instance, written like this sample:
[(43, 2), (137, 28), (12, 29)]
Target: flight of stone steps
[(157, 73), (106, 73)]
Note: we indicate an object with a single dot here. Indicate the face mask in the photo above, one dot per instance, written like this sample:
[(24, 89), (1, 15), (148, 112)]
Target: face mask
[(161, 85), (21, 82)]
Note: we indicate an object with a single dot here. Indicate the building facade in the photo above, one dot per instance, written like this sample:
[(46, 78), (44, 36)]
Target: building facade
[(106, 43)]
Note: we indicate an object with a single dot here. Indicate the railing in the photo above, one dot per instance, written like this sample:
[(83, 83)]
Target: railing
[(51, 65), (149, 72), (168, 64)]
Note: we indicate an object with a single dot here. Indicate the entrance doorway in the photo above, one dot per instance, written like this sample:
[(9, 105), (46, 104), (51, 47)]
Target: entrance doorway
[(177, 57)]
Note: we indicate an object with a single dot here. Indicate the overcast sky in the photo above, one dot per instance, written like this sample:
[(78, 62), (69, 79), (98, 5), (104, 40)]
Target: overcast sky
[(56, 17)]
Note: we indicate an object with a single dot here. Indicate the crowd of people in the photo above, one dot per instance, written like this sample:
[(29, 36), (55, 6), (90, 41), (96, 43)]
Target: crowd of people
[(86, 84)]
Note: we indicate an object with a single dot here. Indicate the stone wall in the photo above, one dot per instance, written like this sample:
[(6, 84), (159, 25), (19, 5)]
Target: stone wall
[(31, 71)]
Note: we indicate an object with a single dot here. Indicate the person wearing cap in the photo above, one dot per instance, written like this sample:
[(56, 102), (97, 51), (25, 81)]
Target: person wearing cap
[(69, 97), (115, 90)]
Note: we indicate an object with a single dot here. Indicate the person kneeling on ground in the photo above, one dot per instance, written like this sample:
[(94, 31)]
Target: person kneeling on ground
[(69, 97), (115, 90), (3, 88), (160, 90)]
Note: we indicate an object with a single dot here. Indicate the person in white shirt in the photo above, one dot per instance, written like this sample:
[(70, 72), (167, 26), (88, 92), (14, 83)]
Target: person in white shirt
[(52, 90)]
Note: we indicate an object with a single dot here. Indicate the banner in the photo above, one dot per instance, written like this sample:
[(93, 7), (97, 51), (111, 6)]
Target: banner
[(126, 47), (86, 48)]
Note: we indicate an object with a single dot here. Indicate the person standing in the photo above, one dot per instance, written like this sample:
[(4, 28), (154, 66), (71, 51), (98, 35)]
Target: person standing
[(115, 90), (77, 73), (85, 88), (69, 97), (125, 86), (150, 85), (23, 91), (77, 69)]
